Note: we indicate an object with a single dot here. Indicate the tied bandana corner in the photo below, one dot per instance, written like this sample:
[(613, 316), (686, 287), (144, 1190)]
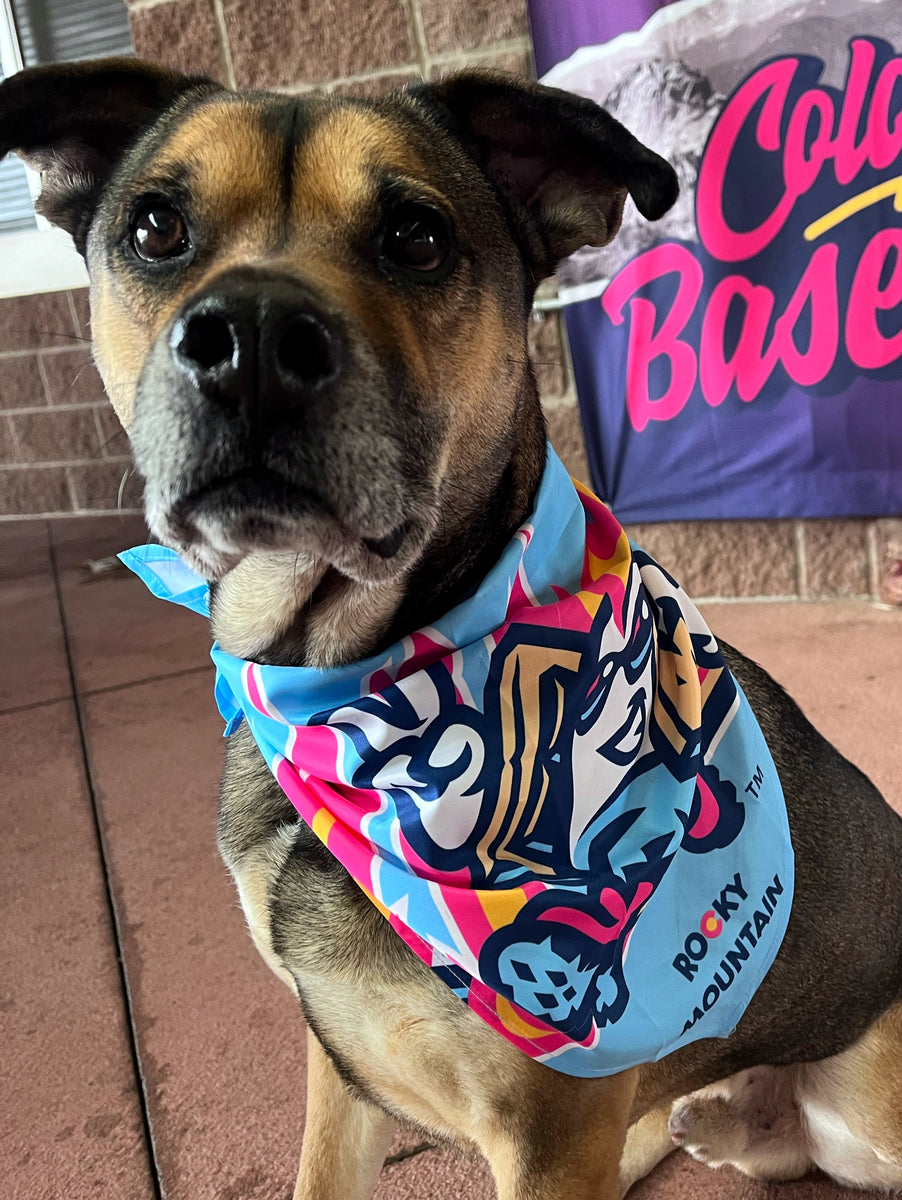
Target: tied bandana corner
[(557, 794)]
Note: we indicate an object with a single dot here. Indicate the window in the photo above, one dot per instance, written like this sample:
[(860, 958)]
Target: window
[(33, 257), (16, 211)]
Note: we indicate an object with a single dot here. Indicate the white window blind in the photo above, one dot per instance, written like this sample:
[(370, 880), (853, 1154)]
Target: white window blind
[(47, 31), (67, 30)]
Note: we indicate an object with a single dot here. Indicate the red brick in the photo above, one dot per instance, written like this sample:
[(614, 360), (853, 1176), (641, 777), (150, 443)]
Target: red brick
[(724, 558), (380, 85), (514, 62), (889, 560), (113, 438), (547, 353), (284, 42), (8, 451), (81, 301), (183, 35), (566, 433), (59, 435), (836, 557), (20, 382), (26, 491), (451, 25)]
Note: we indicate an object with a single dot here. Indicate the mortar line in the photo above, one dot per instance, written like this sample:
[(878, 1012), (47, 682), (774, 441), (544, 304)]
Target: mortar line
[(225, 46), (10, 518), (39, 350), (45, 382), (75, 406), (76, 324), (873, 560), (798, 532), (418, 36)]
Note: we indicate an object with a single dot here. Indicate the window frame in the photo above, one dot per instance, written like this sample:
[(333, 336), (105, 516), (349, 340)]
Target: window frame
[(42, 259)]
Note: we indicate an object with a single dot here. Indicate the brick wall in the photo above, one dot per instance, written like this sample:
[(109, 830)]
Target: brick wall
[(62, 450), (59, 447)]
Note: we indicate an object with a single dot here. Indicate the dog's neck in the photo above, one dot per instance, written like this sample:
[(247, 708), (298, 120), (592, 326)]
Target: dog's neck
[(289, 609)]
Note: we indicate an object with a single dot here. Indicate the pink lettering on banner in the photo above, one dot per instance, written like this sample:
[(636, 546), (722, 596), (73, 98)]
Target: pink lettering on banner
[(801, 132), (771, 84), (645, 345), (750, 366), (868, 348)]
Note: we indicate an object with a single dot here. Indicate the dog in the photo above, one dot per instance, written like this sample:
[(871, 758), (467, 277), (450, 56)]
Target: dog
[(399, 242)]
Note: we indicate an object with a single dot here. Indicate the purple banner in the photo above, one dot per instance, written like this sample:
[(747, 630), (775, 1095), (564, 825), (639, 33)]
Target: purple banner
[(743, 356)]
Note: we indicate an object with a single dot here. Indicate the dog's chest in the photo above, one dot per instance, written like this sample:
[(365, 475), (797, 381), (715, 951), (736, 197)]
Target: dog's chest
[(838, 1151)]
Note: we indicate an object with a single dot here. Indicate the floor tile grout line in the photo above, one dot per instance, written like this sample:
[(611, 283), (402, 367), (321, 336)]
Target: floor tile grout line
[(120, 687), (156, 1182), (104, 691), (139, 683), (20, 708)]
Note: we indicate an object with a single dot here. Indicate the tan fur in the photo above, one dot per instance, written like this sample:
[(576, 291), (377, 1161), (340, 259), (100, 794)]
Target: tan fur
[(260, 597), (253, 875), (351, 620), (345, 1141), (441, 1066), (335, 166), (647, 1143), (235, 170), (120, 345)]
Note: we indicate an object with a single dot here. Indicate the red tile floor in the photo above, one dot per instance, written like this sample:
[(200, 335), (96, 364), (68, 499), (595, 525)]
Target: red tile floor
[(145, 1050)]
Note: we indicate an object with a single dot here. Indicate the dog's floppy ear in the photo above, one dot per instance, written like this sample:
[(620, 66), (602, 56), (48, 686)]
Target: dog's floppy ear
[(562, 165), (74, 122)]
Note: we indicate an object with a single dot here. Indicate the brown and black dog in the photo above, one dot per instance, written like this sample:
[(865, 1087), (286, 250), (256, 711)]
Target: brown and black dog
[(346, 485)]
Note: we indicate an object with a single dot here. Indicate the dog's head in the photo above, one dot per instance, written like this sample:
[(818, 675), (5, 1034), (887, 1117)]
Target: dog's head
[(310, 314)]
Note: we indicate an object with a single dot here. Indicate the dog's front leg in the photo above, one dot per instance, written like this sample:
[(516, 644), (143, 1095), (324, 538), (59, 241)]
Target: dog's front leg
[(345, 1139), (648, 1141), (564, 1141)]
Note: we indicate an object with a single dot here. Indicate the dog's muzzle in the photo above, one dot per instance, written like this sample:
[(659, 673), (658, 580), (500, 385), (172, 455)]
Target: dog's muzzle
[(264, 421)]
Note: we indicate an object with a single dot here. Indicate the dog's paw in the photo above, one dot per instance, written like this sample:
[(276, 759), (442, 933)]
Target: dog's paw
[(707, 1126)]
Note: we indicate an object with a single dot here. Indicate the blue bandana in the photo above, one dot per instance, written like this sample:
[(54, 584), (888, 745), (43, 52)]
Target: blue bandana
[(557, 794)]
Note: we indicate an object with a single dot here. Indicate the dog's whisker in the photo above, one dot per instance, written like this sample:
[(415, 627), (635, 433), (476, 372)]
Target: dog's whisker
[(50, 333), (81, 370), (296, 581), (122, 482)]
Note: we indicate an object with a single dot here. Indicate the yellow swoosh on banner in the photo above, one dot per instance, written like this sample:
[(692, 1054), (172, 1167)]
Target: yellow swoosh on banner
[(842, 212)]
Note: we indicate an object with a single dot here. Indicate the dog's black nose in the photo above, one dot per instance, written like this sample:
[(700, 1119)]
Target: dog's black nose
[(256, 341)]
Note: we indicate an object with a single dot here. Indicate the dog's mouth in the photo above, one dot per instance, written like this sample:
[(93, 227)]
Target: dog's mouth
[(218, 523), (340, 472)]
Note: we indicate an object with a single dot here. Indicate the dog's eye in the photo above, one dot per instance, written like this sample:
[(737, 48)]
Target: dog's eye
[(417, 238), (159, 231)]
